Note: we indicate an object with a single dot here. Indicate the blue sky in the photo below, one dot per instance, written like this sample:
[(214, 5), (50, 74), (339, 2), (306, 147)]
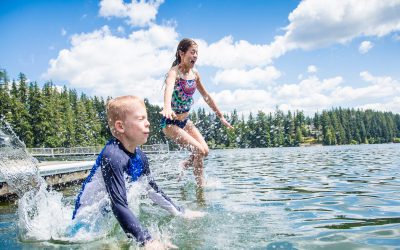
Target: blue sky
[(253, 55)]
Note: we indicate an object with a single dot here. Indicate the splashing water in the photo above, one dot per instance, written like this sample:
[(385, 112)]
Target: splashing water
[(17, 168), (41, 213), (45, 214)]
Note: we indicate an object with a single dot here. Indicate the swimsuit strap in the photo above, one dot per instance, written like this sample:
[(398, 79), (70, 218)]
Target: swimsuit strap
[(180, 74)]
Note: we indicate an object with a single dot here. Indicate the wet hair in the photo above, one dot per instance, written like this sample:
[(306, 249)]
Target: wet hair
[(118, 108), (183, 46)]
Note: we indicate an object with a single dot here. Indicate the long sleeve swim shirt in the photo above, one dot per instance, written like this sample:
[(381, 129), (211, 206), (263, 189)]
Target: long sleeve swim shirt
[(107, 182)]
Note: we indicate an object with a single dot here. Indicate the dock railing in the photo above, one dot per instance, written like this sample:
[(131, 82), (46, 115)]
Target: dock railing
[(93, 150)]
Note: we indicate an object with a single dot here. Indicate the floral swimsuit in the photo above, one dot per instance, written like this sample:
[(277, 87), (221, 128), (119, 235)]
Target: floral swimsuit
[(182, 100)]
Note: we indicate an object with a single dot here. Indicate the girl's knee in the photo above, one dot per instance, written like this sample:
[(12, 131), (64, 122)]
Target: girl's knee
[(206, 151), (201, 152)]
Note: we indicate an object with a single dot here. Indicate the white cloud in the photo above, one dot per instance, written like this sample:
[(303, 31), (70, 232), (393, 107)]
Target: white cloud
[(63, 32), (391, 105), (313, 24), (140, 13), (309, 94), (316, 23), (243, 100), (246, 78), (309, 85), (312, 69), (228, 54), (365, 46), (385, 85), (121, 30), (107, 65), (312, 94)]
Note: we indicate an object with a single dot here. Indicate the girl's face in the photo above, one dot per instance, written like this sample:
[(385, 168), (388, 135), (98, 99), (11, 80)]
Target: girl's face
[(189, 57)]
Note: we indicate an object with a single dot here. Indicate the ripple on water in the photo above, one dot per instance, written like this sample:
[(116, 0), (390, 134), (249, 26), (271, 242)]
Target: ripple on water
[(341, 197)]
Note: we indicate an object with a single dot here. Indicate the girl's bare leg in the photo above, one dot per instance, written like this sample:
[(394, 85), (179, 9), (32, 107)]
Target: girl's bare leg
[(187, 163), (191, 129), (186, 139), (198, 165)]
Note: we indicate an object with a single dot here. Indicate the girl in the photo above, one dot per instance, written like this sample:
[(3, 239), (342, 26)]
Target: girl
[(181, 83)]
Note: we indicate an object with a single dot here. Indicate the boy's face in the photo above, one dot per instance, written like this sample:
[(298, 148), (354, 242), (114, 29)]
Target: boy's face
[(136, 126)]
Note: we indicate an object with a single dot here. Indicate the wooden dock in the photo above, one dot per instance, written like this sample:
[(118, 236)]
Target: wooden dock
[(56, 173), (93, 150), (64, 172)]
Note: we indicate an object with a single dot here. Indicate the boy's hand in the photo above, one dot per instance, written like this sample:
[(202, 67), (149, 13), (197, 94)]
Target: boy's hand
[(189, 214), (156, 245), (226, 123)]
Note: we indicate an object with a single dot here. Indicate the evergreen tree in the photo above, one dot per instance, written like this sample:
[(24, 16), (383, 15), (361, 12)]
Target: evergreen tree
[(298, 137), (289, 127), (327, 129), (68, 118), (262, 130), (251, 136), (231, 133), (81, 123), (36, 103), (50, 117), (20, 116), (52, 124), (361, 126), (278, 127), (154, 117), (100, 107), (4, 95), (337, 128), (93, 123), (241, 138)]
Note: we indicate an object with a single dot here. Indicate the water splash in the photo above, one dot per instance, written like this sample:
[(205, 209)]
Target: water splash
[(45, 214), (41, 212), (17, 167)]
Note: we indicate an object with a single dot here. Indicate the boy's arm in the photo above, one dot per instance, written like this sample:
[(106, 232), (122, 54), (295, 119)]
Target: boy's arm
[(115, 185), (160, 198), (165, 202), (156, 194)]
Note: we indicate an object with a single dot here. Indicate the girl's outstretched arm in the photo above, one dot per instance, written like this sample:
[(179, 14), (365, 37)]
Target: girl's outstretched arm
[(210, 102), (169, 88)]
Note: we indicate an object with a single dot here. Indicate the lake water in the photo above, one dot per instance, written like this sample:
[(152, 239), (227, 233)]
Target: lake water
[(338, 197)]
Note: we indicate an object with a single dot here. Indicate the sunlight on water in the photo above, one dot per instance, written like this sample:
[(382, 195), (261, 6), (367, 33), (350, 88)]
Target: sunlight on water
[(340, 197)]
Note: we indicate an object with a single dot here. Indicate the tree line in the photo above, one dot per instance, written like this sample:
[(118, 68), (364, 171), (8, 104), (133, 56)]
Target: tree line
[(54, 117)]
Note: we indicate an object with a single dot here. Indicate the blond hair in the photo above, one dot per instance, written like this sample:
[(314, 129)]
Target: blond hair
[(118, 108)]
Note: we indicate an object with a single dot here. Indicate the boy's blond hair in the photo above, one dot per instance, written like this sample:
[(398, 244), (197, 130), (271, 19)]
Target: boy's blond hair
[(117, 109)]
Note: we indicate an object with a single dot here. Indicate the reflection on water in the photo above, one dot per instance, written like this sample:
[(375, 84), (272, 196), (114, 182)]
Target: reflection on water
[(341, 197)]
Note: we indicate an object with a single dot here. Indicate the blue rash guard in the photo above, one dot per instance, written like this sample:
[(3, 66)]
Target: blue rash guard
[(107, 183)]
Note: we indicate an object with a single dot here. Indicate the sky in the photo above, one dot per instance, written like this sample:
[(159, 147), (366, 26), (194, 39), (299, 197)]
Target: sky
[(309, 55)]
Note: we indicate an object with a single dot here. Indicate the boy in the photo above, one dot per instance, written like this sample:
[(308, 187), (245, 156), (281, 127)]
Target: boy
[(121, 162)]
